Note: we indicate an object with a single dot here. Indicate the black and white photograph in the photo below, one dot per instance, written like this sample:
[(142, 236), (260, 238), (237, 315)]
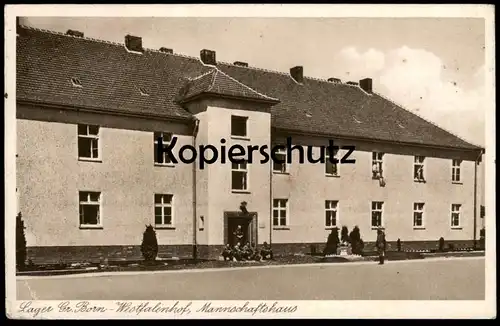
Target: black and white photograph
[(182, 161)]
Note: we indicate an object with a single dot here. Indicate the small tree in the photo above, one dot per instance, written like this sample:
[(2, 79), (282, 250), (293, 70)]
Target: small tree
[(357, 244), (20, 242), (482, 238), (332, 242), (344, 235), (149, 246), (398, 244), (441, 244)]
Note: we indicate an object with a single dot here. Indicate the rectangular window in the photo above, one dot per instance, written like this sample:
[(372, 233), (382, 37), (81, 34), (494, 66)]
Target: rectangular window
[(455, 170), (280, 212), (377, 209), (201, 223), (455, 215), (163, 209), (377, 162), (90, 208), (281, 166), (331, 213), (482, 212), (418, 215), (166, 139), (418, 168), (88, 142), (239, 126), (331, 169), (239, 176)]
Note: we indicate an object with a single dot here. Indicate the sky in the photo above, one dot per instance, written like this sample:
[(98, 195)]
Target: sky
[(434, 67)]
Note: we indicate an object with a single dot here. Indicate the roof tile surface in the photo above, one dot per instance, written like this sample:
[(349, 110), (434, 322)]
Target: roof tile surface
[(112, 78)]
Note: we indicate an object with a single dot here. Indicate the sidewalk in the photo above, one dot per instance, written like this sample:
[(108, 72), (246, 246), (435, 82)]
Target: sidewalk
[(175, 265)]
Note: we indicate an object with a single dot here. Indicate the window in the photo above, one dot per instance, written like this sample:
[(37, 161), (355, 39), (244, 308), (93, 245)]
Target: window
[(418, 169), (377, 160), (455, 215), (163, 209), (418, 215), (201, 223), (331, 213), (88, 142), (239, 126), (166, 138), (76, 82), (90, 207), (278, 166), (239, 176), (455, 170), (280, 212), (331, 169), (377, 207), (482, 212)]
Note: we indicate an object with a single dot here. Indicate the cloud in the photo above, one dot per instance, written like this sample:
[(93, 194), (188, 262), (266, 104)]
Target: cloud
[(414, 78), (359, 65)]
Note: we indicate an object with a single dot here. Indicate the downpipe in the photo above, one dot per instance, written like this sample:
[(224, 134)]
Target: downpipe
[(195, 220), (476, 163)]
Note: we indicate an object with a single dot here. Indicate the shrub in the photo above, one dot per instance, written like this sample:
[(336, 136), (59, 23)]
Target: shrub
[(482, 238), (398, 244), (332, 242), (149, 246), (441, 244), (356, 241), (344, 235), (20, 242)]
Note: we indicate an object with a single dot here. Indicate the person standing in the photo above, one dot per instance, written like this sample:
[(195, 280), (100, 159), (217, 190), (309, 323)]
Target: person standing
[(238, 235), (381, 245)]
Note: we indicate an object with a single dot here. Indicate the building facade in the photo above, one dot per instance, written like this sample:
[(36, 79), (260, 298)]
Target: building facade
[(89, 178)]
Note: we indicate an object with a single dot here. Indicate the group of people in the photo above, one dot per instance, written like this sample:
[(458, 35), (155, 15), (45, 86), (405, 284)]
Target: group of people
[(247, 252)]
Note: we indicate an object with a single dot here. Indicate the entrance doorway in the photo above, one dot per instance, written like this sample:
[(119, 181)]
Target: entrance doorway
[(248, 225)]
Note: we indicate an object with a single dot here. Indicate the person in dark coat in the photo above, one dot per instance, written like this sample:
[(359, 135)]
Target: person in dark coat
[(381, 245), (332, 243), (238, 234), (237, 252), (227, 253), (266, 252)]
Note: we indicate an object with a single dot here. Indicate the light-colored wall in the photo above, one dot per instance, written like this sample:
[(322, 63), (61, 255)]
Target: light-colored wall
[(215, 179), (49, 177), (306, 187)]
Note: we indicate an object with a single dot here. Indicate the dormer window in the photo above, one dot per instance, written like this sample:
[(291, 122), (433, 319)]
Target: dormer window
[(76, 82), (143, 91)]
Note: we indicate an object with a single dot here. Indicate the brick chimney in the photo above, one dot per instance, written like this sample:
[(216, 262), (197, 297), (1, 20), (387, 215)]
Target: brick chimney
[(74, 33), (241, 64), (366, 85), (166, 50), (208, 57), (297, 73), (133, 43), (18, 25)]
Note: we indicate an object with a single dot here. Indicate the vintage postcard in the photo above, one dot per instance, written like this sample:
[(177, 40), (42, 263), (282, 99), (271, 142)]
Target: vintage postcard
[(250, 161)]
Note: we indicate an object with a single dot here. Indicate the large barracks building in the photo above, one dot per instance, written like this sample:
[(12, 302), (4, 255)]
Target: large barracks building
[(89, 179)]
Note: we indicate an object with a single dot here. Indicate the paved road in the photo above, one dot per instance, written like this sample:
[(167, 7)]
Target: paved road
[(430, 279)]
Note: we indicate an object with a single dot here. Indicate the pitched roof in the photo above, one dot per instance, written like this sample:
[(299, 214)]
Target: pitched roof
[(218, 83), (113, 78)]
